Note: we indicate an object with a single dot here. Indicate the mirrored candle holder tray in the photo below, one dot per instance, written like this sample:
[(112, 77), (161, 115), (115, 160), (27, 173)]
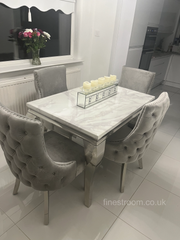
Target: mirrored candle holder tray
[(85, 100)]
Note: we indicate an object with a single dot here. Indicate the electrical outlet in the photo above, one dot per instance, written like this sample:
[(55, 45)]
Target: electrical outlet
[(97, 33)]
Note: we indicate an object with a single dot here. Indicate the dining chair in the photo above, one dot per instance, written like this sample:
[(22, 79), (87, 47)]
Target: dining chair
[(137, 80), (45, 162), (50, 80), (126, 145)]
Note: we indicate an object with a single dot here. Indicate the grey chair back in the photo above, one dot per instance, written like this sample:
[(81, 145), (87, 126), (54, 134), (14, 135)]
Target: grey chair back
[(137, 79), (133, 146), (25, 151), (49, 81), (127, 145)]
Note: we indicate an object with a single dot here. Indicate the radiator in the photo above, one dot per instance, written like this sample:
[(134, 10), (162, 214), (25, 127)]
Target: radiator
[(15, 93)]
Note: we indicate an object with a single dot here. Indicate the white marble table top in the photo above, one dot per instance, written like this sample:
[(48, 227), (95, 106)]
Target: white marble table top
[(95, 121)]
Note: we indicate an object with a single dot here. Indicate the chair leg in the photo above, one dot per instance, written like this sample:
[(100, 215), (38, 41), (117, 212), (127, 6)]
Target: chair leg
[(84, 180), (123, 175), (46, 207), (16, 186), (140, 161)]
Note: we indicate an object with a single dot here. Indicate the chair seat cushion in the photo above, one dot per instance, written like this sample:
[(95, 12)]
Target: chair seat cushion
[(61, 149)]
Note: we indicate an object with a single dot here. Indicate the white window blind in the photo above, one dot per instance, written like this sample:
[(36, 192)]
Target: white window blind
[(66, 6)]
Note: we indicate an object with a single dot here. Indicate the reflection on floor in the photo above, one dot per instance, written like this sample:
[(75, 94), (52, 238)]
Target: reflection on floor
[(148, 209)]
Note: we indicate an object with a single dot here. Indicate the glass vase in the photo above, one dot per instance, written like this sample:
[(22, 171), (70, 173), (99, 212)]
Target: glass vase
[(35, 57)]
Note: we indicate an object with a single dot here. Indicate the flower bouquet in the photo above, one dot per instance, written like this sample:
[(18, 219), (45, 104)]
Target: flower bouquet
[(34, 40)]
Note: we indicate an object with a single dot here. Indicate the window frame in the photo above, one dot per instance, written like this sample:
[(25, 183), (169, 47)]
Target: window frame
[(25, 64)]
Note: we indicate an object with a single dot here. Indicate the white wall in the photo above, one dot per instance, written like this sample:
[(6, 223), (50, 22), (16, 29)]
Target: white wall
[(174, 13), (123, 27), (103, 30), (95, 21)]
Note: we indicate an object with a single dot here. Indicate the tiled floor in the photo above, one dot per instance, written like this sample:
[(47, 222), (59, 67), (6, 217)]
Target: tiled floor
[(21, 216)]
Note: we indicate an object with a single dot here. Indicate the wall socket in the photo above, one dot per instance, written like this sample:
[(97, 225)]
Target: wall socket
[(97, 33)]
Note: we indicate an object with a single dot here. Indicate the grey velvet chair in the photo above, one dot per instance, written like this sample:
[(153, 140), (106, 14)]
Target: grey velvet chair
[(45, 162), (49, 81), (137, 80), (127, 145)]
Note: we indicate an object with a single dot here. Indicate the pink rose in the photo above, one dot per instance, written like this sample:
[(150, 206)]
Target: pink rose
[(25, 34), (38, 34), (40, 31), (20, 34), (29, 34)]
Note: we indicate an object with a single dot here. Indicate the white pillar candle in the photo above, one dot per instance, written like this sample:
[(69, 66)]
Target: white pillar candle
[(107, 80), (86, 85), (94, 83), (101, 81), (113, 77)]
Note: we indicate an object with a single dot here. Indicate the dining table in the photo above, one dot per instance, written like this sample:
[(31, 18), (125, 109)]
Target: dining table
[(94, 124)]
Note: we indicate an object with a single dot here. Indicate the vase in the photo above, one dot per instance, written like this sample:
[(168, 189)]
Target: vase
[(35, 57)]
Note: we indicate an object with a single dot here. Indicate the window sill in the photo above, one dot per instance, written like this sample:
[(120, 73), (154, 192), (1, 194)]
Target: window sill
[(25, 65)]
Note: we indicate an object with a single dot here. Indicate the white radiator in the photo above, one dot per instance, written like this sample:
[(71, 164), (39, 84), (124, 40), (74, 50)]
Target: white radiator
[(16, 92)]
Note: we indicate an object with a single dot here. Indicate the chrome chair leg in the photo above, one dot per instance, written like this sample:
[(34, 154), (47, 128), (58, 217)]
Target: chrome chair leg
[(123, 175), (16, 186), (84, 180), (46, 207), (140, 161)]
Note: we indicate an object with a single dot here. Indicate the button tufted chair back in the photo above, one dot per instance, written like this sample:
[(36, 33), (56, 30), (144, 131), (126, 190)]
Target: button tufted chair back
[(137, 79), (132, 147), (49, 81), (43, 161)]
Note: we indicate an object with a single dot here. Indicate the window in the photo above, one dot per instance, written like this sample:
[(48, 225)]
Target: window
[(56, 23)]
